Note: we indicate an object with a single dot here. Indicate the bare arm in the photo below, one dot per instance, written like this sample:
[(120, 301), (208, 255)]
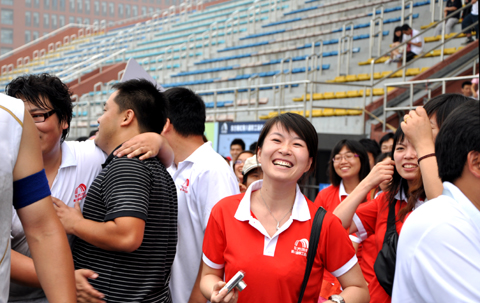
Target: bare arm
[(196, 296), (148, 145), (45, 235), (418, 131), (122, 234), (354, 286), (23, 270), (381, 172), (212, 282)]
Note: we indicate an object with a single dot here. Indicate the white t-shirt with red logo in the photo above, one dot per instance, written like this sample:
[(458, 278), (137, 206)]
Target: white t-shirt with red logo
[(274, 266), (203, 179), (81, 163)]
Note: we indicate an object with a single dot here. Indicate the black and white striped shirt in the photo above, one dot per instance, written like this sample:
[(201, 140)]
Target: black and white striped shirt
[(141, 189)]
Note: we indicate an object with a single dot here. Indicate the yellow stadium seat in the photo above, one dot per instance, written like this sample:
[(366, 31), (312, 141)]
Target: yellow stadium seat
[(412, 71), (330, 81), (264, 117), (432, 39), (377, 75), (317, 113), (367, 93), (353, 94), (351, 78), (424, 69), (340, 112), (367, 62), (378, 91), (329, 95), (339, 79), (340, 95), (437, 52), (363, 77), (386, 73), (354, 112), (450, 35), (425, 26), (389, 89), (317, 96), (460, 48), (328, 112), (382, 59), (397, 74), (450, 50)]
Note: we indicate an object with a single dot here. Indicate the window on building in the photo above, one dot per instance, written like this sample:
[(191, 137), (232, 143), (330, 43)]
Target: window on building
[(79, 6), (36, 3), (127, 10), (111, 23), (87, 7), (28, 36), (144, 10), (62, 5), (46, 4), (45, 33), (6, 36), (72, 6), (28, 19), (6, 16), (86, 21), (96, 8), (61, 21), (35, 35), (135, 10), (111, 6), (36, 19), (120, 10), (7, 2), (54, 22), (71, 19), (46, 19), (54, 5), (28, 3), (5, 50), (104, 8)]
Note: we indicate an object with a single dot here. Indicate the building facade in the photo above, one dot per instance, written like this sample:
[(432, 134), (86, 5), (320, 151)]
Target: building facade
[(22, 21)]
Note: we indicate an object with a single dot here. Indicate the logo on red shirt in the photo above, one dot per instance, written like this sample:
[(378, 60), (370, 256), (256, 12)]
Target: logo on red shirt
[(80, 193), (300, 247), (184, 187)]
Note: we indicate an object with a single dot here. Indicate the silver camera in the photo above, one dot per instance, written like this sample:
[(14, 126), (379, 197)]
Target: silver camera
[(236, 282)]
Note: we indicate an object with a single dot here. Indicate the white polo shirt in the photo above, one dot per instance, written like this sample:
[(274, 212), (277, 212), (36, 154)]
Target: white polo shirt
[(203, 179), (415, 49), (81, 163), (438, 255)]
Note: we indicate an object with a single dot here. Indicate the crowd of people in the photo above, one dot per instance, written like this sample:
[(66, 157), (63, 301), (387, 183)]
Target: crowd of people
[(151, 213)]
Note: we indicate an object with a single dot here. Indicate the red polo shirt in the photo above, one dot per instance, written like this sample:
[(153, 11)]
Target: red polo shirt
[(274, 266), (371, 219)]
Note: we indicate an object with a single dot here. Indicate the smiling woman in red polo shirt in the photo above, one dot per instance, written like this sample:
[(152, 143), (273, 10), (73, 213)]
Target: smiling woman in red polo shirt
[(265, 231)]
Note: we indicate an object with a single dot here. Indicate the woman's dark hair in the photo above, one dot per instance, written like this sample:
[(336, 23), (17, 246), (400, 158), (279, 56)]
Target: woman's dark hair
[(299, 125), (382, 157), (443, 105), (395, 38), (37, 89), (400, 185), (356, 148), (371, 146)]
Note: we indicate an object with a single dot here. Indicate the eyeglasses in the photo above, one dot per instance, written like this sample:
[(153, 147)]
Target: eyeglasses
[(38, 118), (346, 156), (239, 161)]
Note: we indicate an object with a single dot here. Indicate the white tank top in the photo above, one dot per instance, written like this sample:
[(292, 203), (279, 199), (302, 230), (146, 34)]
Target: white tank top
[(11, 126)]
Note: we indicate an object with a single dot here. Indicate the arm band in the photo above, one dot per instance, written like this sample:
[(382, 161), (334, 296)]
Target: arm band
[(426, 156), (30, 189)]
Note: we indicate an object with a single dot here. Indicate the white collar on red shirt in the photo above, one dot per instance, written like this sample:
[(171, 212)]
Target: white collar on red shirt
[(341, 191), (403, 197), (300, 211)]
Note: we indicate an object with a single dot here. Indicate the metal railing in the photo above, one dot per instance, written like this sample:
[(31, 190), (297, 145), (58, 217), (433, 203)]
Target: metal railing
[(374, 33), (411, 84), (341, 48)]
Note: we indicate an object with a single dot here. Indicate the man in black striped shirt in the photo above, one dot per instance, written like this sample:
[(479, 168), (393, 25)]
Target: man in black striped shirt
[(128, 231)]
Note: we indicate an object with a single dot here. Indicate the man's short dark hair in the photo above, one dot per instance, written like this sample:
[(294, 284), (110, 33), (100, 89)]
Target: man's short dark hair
[(385, 138), (466, 83), (371, 146), (146, 101), (253, 147), (34, 88), (186, 111), (238, 141), (405, 27), (459, 135)]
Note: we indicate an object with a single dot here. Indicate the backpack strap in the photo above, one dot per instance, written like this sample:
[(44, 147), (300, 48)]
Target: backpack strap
[(312, 247)]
